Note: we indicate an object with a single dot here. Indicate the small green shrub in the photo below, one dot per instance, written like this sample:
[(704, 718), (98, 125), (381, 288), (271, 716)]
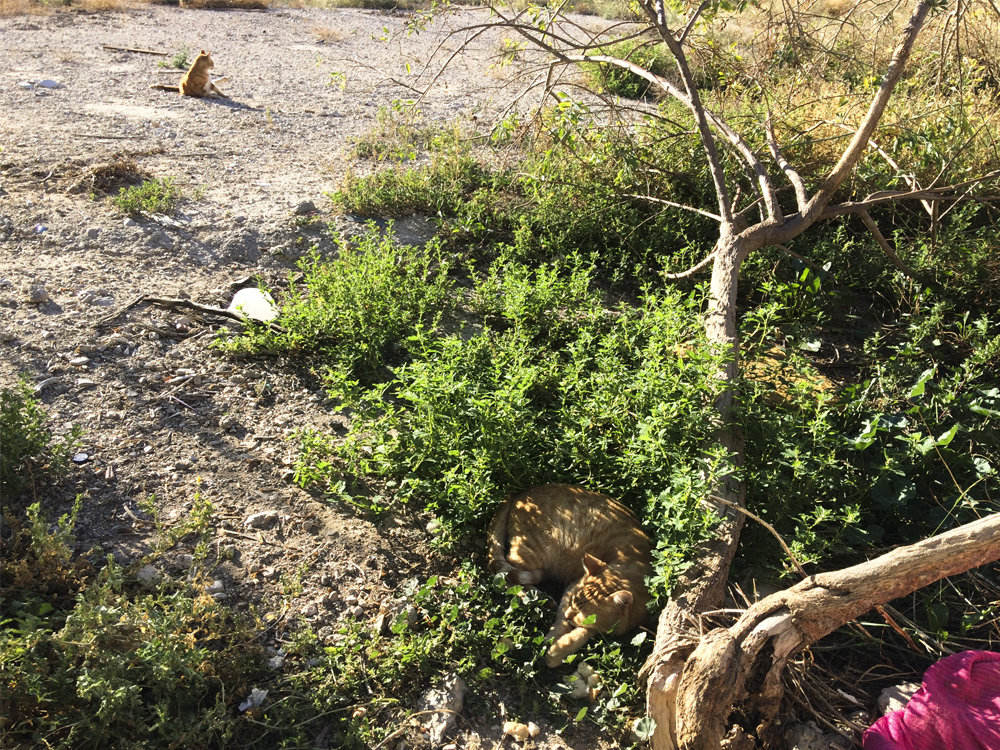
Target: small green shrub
[(357, 309), (158, 195), (180, 59), (27, 448), (92, 660)]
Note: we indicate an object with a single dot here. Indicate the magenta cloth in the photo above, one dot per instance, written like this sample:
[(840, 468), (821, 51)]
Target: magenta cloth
[(956, 708)]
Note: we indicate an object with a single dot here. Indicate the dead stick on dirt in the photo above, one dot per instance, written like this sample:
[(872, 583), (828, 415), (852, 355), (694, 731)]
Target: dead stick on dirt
[(170, 302), (99, 137), (134, 49)]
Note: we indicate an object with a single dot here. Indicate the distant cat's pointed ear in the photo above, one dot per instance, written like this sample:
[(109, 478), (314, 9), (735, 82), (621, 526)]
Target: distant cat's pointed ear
[(592, 565), (204, 52), (622, 599)]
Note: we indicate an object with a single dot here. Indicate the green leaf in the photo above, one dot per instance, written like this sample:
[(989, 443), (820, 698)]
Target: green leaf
[(867, 436), (810, 345), (937, 616), (590, 620), (640, 638), (644, 728), (580, 714), (948, 436), (920, 385)]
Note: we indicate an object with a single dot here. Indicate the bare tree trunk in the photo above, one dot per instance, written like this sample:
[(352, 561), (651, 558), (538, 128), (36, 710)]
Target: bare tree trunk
[(702, 586)]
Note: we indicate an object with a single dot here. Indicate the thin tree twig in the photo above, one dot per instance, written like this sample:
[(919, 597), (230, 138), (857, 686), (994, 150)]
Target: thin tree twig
[(769, 527), (653, 199), (691, 271), (884, 244)]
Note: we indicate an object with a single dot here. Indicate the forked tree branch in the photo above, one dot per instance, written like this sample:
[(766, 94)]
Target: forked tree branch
[(864, 133), (798, 184)]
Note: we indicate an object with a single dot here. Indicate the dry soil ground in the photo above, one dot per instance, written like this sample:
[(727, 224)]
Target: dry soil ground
[(163, 414)]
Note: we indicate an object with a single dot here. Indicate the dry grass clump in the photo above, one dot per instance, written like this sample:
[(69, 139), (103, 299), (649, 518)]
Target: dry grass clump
[(10, 8), (225, 4), (113, 175), (326, 34)]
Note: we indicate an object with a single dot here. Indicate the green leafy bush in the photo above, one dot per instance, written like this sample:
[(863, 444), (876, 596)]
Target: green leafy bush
[(555, 388), (27, 448), (906, 451), (355, 310)]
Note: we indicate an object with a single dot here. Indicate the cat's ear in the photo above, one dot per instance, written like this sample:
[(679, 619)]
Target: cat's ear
[(622, 599), (592, 565)]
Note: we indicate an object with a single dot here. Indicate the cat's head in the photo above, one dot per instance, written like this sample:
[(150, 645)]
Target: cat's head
[(599, 601), (204, 61)]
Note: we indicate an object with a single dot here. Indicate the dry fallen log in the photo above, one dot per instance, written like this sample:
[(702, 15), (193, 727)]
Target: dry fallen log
[(695, 709)]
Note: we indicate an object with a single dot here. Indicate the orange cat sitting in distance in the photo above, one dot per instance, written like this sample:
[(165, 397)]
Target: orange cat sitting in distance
[(197, 81), (584, 540)]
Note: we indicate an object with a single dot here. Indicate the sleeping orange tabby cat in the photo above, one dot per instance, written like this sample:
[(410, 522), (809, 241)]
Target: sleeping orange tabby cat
[(588, 542)]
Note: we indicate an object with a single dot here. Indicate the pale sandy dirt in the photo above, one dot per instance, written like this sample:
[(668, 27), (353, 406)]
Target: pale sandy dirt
[(244, 164)]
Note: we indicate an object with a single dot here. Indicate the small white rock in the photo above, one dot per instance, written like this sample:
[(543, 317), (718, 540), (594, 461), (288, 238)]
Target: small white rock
[(262, 519), (37, 295), (148, 575)]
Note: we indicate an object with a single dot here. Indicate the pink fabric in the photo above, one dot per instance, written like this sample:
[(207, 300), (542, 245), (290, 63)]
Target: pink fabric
[(956, 708)]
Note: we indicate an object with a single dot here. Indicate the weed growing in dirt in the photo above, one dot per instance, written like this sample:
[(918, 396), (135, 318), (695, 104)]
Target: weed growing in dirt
[(92, 659), (400, 134), (158, 195), (195, 523), (180, 60), (27, 447)]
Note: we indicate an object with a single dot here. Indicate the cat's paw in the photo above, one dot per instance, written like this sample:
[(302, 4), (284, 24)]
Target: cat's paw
[(528, 577)]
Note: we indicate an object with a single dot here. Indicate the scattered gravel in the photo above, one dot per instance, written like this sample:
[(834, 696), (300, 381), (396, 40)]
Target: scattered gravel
[(163, 415)]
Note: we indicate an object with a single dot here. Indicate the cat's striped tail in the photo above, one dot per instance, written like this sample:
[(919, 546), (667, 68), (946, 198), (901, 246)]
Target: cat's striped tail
[(496, 546)]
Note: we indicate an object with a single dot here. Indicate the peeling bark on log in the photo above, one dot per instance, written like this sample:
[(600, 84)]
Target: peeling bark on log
[(713, 680)]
